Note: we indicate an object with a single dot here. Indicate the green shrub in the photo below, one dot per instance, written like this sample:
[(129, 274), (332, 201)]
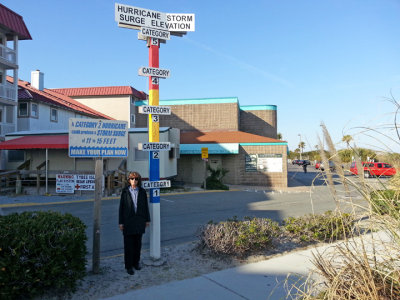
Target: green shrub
[(40, 251), (239, 237), (385, 202), (214, 181), (324, 227)]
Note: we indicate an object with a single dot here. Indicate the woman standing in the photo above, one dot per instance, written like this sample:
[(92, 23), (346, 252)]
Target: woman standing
[(134, 217)]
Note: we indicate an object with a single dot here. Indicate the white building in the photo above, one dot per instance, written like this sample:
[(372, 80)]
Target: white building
[(12, 30)]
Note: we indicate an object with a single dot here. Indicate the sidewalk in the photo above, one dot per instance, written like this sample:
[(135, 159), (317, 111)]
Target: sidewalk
[(270, 279), (261, 280)]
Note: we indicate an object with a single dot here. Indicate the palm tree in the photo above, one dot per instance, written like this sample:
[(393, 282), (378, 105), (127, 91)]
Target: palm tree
[(279, 136), (347, 139), (302, 145)]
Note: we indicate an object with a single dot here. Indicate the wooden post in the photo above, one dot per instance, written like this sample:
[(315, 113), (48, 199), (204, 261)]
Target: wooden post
[(205, 173), (97, 214), (18, 185), (38, 181), (108, 185)]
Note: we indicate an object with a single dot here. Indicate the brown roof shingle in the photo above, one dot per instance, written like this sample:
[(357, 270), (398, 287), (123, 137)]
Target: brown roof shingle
[(26, 91), (14, 23), (102, 91)]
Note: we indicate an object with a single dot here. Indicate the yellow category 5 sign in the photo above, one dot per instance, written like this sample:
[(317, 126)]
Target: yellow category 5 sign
[(204, 152)]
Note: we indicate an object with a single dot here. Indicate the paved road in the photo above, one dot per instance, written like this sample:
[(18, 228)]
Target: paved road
[(182, 215)]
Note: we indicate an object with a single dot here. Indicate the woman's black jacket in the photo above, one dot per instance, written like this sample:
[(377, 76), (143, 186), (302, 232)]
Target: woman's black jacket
[(134, 223)]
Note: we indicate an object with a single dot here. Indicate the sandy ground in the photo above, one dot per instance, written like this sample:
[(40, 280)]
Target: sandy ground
[(180, 262)]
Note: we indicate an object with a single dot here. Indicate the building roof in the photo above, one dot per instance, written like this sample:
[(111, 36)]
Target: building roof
[(102, 91), (27, 92), (218, 137), (14, 23), (36, 142)]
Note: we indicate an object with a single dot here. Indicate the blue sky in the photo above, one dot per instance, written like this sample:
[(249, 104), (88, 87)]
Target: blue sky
[(331, 61)]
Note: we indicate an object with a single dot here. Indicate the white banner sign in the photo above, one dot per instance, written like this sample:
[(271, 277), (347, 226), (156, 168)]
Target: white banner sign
[(156, 184), (68, 183), (97, 138), (84, 182), (65, 183)]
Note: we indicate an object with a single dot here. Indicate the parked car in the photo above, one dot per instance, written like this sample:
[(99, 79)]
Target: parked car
[(294, 162), (374, 169), (320, 166)]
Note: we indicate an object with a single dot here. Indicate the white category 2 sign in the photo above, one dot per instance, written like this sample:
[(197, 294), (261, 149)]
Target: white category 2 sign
[(156, 72), (141, 17), (156, 184), (162, 146), (97, 138)]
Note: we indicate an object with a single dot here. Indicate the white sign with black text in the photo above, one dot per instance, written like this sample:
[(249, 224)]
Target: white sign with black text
[(155, 33), (156, 72), (156, 184), (158, 110), (161, 146)]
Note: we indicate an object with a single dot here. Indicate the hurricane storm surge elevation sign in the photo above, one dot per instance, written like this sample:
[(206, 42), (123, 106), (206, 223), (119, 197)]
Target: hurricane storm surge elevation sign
[(97, 138), (142, 17)]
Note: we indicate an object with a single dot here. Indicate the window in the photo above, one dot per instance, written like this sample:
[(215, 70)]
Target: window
[(34, 110), (23, 109), (141, 155), (16, 155), (53, 115), (10, 114)]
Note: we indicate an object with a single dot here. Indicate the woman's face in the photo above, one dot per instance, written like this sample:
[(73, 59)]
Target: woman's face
[(134, 180)]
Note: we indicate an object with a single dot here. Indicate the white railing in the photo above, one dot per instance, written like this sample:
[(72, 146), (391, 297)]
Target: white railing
[(7, 91), (8, 54), (6, 128)]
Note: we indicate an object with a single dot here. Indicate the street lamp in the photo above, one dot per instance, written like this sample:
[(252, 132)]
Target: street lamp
[(301, 150)]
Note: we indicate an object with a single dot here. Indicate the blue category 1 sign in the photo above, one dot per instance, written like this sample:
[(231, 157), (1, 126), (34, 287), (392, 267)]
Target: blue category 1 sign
[(97, 138)]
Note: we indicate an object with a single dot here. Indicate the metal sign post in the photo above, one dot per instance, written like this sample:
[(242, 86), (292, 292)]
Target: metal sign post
[(155, 27), (204, 157)]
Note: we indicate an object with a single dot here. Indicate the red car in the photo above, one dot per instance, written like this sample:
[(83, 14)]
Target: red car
[(374, 169), (320, 166)]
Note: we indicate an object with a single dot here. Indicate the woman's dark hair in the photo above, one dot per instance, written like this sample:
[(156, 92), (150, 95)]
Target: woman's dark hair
[(137, 175)]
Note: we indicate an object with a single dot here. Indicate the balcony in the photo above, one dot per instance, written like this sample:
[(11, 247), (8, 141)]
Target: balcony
[(6, 128), (8, 92), (7, 54)]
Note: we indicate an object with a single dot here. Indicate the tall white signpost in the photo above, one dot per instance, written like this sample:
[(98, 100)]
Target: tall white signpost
[(154, 27), (97, 138)]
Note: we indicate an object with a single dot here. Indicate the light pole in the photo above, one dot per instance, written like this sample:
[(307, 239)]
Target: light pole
[(301, 150)]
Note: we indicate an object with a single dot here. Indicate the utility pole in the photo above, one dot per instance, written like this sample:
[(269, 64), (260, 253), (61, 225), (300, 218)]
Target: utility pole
[(301, 148)]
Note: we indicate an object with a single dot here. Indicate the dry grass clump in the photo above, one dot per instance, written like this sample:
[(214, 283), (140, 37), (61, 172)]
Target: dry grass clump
[(327, 227), (366, 267), (234, 237)]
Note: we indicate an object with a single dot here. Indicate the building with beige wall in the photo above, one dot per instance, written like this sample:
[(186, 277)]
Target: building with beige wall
[(240, 139), (117, 101)]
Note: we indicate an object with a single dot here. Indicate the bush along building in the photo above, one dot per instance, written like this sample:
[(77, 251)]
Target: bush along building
[(240, 139)]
